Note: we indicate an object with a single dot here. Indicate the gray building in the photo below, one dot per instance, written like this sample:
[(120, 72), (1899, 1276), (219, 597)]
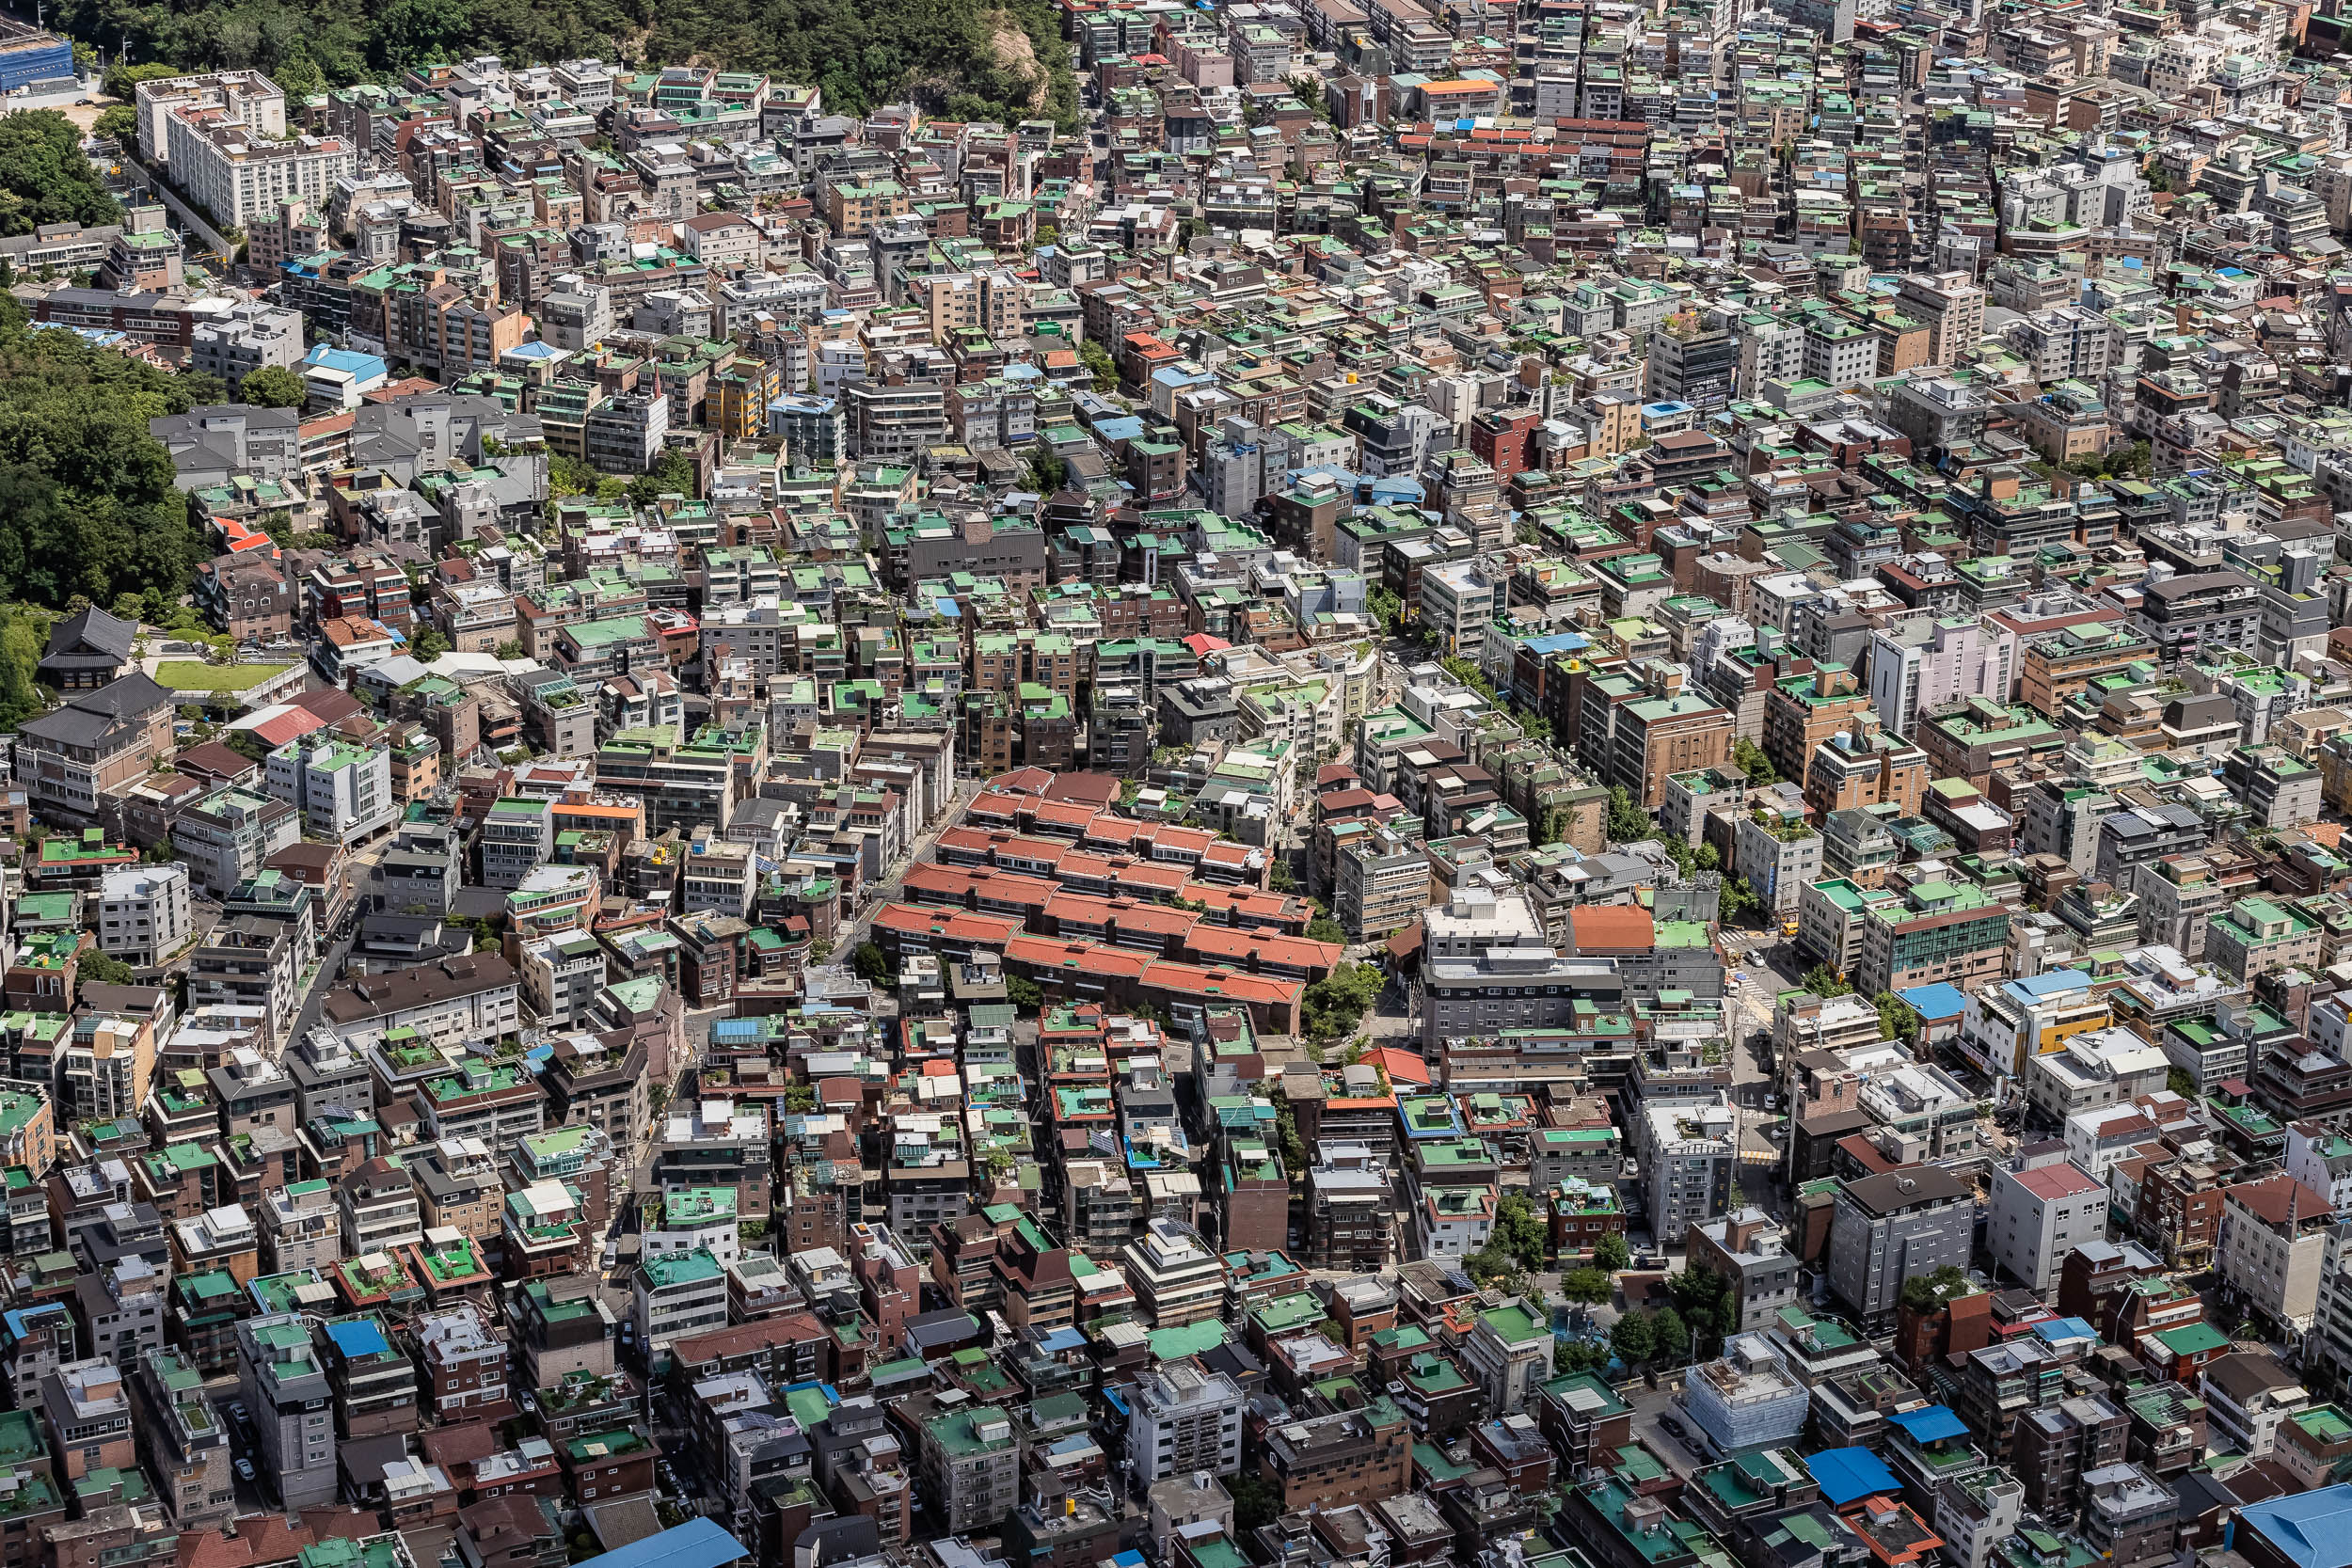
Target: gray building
[(1747, 1248), (285, 1391), (1686, 1152), (1891, 1226)]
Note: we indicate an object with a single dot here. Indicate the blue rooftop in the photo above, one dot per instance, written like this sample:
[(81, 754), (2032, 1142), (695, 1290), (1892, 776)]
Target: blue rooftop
[(1847, 1474), (348, 360), (1935, 1424), (2054, 1329), (2053, 982), (2310, 1529), (1936, 1001), (359, 1338), (696, 1544)]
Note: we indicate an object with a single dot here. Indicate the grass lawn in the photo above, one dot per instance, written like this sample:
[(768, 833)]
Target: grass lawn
[(194, 674)]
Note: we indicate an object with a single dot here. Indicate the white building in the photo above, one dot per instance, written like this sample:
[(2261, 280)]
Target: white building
[(2043, 1209), (1746, 1401), (1920, 664), (2094, 1069), (342, 789), (1457, 601), (2272, 1246), (240, 177), (1184, 1421), (676, 1296), (144, 914), (249, 337), (2248, 1394)]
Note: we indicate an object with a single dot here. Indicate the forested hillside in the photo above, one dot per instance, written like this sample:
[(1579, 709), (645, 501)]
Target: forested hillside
[(43, 176), (962, 57), (87, 501)]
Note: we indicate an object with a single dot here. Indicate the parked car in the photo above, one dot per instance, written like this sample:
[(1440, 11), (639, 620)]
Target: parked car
[(245, 1469), (1672, 1427)]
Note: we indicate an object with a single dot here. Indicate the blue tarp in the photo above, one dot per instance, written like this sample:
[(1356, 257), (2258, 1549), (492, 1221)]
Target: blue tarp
[(1936, 1001), (1847, 1474), (360, 1337), (1935, 1424), (696, 1544)]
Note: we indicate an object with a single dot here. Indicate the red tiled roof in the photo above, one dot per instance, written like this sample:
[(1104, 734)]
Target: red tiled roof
[(279, 728)]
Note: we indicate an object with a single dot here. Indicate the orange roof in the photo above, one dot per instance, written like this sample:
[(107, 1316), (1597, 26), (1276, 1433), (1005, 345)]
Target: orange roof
[(1231, 944), (962, 925), (1092, 957), (1222, 984), (1612, 928), (1401, 1066)]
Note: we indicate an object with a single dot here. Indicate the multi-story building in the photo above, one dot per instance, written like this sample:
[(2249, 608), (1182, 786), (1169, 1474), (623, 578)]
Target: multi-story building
[(1894, 1226), (971, 1466), (1185, 1421), (185, 1440), (284, 1386), (1747, 1249), (2044, 1208), (144, 914)]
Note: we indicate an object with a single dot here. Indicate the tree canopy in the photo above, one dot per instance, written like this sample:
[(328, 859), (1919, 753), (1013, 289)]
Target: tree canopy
[(273, 386), (43, 176), (993, 59), (88, 503)]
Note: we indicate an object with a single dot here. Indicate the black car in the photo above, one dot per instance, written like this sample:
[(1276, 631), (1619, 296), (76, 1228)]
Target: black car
[(1672, 1427)]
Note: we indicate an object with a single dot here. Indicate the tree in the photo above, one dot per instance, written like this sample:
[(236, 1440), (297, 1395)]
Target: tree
[(1591, 1287), (672, 474), (1333, 1005), (1896, 1021), (2181, 1081), (1047, 471), (1670, 1334), (1739, 902), (44, 177), (1520, 1231), (1025, 994), (1706, 858), (1613, 1254), (510, 648), (1256, 1504), (1925, 1292), (23, 639), (1627, 822), (1099, 364), (1825, 982), (106, 970), (273, 386), (1286, 1128), (1575, 1356), (800, 1098), (430, 643), (1705, 1301), (1750, 759), (88, 505), (1279, 875), (870, 963), (1632, 1338), (1679, 850), (118, 123), (1323, 929)]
